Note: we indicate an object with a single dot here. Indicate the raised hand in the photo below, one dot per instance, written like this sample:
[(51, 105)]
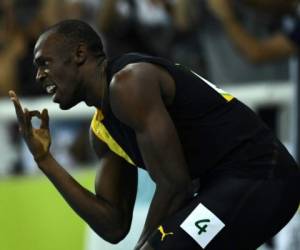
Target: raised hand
[(38, 140)]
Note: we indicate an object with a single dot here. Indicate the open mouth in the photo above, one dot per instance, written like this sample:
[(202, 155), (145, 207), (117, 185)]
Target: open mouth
[(51, 89)]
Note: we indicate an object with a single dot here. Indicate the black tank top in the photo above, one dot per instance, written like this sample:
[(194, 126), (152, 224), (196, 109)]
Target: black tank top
[(215, 129)]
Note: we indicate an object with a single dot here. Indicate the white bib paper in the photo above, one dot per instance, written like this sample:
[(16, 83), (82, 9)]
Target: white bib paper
[(202, 225)]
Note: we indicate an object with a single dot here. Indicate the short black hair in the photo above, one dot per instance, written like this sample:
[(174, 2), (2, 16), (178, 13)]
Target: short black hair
[(74, 31)]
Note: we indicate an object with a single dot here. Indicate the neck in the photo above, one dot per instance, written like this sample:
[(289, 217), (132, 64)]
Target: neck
[(96, 83)]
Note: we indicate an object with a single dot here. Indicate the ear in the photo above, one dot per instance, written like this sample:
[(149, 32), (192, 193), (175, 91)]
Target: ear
[(81, 53)]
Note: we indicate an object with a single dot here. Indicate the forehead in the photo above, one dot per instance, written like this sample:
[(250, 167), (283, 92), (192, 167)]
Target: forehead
[(47, 45)]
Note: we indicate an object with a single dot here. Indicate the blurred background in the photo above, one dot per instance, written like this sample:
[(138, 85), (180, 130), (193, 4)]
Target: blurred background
[(247, 47)]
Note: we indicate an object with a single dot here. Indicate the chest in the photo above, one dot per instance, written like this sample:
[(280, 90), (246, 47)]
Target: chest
[(118, 137)]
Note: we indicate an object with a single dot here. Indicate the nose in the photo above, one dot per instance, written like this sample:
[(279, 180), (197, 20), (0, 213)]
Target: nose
[(41, 74)]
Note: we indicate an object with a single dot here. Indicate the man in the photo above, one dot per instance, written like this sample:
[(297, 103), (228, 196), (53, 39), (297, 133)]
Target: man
[(281, 44), (217, 168)]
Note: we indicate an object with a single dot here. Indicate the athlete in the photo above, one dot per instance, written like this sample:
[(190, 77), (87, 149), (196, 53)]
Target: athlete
[(223, 180)]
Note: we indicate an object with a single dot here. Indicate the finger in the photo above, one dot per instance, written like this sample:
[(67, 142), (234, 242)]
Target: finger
[(27, 122), (28, 117), (11, 93), (30, 114), (18, 108), (35, 113), (45, 119), (14, 96)]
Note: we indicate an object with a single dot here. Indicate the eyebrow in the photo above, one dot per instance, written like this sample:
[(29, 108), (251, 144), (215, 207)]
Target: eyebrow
[(39, 60)]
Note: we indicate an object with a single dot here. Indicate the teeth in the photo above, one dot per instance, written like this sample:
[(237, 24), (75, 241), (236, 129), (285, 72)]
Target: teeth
[(51, 89)]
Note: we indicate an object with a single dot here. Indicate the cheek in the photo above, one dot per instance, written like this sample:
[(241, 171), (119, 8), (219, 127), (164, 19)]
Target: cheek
[(68, 91), (65, 77), (65, 82)]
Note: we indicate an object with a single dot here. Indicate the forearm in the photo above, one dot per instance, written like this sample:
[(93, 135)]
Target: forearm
[(97, 212), (165, 203)]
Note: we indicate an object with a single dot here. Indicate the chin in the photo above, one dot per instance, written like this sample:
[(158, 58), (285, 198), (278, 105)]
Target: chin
[(66, 106), (63, 107)]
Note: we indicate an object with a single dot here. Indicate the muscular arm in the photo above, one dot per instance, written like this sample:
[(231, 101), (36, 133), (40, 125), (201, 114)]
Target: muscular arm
[(255, 50), (145, 112), (109, 211)]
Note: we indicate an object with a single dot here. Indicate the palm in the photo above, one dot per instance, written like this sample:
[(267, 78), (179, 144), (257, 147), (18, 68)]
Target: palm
[(38, 140)]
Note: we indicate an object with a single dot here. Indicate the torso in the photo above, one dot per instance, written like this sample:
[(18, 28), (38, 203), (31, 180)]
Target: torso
[(212, 125)]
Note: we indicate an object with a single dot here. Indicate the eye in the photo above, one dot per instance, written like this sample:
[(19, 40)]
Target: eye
[(45, 63), (42, 62)]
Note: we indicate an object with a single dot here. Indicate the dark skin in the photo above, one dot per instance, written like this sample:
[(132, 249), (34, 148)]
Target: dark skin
[(109, 210)]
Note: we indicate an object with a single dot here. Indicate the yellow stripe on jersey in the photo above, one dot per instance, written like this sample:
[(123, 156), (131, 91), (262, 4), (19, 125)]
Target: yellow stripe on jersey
[(228, 97), (103, 134)]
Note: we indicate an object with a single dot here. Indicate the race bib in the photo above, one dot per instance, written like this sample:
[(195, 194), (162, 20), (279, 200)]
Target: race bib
[(202, 225)]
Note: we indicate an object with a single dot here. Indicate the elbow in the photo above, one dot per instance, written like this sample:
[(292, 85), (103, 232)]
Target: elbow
[(114, 231), (115, 238)]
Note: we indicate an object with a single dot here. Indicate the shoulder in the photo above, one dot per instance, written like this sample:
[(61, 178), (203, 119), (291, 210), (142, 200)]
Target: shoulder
[(134, 71), (133, 91), (134, 80), (144, 77)]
